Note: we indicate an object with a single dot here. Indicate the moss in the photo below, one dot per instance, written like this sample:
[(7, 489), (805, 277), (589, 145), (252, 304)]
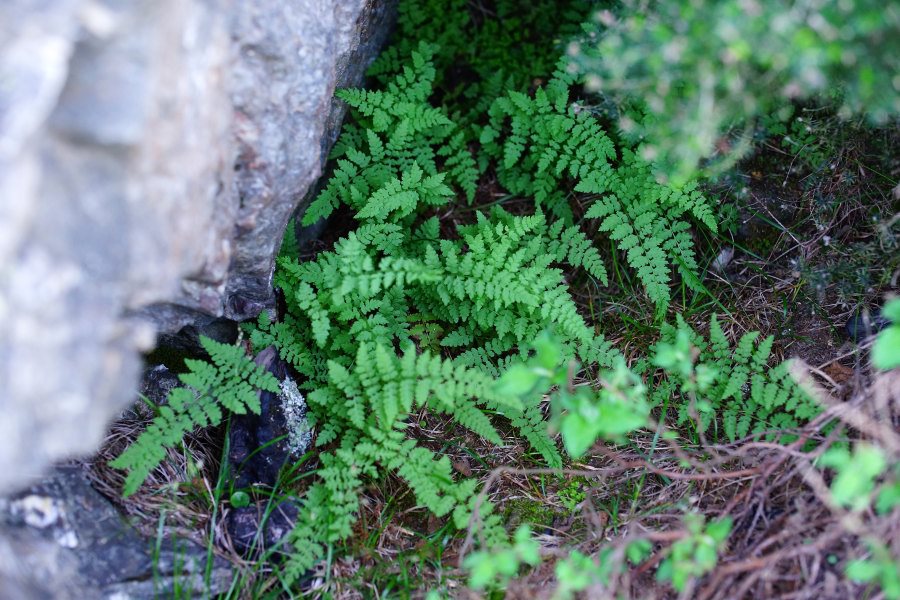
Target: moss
[(523, 511), (571, 494)]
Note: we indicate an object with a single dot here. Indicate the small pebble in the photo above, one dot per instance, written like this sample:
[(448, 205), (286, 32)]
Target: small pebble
[(722, 260), (863, 325)]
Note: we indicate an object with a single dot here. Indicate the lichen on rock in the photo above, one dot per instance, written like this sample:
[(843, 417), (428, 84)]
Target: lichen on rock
[(294, 408)]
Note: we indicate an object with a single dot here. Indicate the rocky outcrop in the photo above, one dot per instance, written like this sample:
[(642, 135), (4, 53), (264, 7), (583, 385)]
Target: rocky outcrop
[(61, 539), (151, 153)]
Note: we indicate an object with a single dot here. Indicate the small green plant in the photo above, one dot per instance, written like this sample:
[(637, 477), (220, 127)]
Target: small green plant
[(865, 479), (574, 573), (571, 495), (810, 139), (712, 381), (881, 568), (856, 474), (578, 572), (886, 351), (581, 414), (494, 568), (617, 408), (697, 553)]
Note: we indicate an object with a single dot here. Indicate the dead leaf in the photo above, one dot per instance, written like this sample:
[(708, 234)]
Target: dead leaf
[(839, 373), (463, 467)]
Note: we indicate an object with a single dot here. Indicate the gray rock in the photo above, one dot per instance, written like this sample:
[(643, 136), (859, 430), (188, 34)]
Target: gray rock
[(261, 445), (261, 528), (863, 324), (151, 153), (61, 539)]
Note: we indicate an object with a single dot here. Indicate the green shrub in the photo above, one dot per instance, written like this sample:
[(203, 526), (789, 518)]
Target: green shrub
[(689, 71)]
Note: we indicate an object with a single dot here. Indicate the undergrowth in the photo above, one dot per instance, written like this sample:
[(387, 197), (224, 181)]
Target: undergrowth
[(488, 191)]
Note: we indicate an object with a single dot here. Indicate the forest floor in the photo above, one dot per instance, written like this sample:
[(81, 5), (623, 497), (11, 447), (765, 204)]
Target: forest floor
[(811, 259), (810, 252)]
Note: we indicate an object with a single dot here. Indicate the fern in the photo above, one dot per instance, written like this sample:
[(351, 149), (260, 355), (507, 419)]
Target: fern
[(423, 308), (482, 298), (399, 151), (743, 391), (540, 143), (366, 407), (463, 303), (230, 381), (492, 291), (479, 298), (505, 47), (537, 141)]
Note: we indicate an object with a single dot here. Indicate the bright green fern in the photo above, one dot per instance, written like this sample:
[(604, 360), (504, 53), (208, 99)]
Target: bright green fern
[(544, 142), (230, 382), (479, 298), (399, 152), (734, 386), (363, 412)]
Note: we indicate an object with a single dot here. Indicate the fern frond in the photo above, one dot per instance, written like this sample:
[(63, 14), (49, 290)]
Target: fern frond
[(231, 381), (745, 392)]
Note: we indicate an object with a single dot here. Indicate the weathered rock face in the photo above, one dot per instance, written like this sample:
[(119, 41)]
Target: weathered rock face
[(151, 153), (62, 539), (292, 56)]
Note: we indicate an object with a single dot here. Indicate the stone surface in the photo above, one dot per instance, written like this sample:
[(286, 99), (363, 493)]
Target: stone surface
[(151, 152), (260, 445), (864, 324), (61, 539), (258, 529)]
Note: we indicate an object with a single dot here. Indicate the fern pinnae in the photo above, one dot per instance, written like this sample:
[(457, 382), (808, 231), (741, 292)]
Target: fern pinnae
[(749, 395), (231, 380)]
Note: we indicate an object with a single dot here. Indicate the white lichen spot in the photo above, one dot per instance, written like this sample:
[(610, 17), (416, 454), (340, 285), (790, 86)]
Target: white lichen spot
[(66, 538), (37, 511), (294, 407)]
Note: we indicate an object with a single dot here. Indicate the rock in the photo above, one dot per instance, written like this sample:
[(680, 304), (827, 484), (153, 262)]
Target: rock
[(722, 260), (155, 386), (259, 447), (151, 153), (157, 382), (61, 539), (862, 325), (259, 528), (173, 348)]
